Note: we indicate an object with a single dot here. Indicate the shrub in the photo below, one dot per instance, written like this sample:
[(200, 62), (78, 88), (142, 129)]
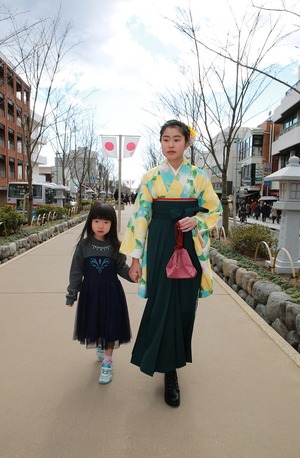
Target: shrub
[(47, 208), (11, 218), (244, 239), (264, 274)]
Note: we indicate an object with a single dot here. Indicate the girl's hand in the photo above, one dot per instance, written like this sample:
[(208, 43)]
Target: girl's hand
[(70, 305), (187, 224)]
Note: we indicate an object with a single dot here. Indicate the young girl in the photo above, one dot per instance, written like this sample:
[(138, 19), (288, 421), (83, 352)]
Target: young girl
[(174, 191), (102, 319)]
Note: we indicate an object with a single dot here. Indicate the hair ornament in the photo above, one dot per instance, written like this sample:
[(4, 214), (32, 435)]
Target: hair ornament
[(192, 134)]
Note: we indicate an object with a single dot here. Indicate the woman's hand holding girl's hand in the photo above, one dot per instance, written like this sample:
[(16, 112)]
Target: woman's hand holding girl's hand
[(134, 277), (187, 224), (135, 270)]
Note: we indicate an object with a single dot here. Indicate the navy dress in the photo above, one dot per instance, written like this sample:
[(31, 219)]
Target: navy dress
[(102, 313)]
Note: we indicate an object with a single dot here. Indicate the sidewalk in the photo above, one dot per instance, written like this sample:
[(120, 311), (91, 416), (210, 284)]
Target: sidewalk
[(239, 399)]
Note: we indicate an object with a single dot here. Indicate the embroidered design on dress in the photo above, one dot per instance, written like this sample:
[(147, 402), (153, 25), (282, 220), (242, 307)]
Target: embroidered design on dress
[(100, 248), (100, 265)]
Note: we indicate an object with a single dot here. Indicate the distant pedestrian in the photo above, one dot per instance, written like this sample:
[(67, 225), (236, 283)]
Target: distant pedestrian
[(265, 212), (253, 207), (274, 214), (257, 211), (102, 319)]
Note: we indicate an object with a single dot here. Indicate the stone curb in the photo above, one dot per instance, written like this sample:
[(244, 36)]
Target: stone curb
[(267, 299), (20, 246)]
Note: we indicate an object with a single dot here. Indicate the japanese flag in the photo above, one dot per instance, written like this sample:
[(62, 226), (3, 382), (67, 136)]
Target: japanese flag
[(109, 147), (130, 144)]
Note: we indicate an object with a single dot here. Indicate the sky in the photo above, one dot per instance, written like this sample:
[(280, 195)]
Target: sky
[(128, 51)]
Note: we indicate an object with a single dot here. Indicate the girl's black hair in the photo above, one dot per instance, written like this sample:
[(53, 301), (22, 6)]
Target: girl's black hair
[(103, 210), (180, 125)]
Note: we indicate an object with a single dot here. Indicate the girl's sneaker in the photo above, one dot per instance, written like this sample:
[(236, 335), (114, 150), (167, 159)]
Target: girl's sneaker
[(100, 353), (106, 373)]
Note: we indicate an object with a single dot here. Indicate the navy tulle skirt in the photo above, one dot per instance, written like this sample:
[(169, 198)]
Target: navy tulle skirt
[(102, 314)]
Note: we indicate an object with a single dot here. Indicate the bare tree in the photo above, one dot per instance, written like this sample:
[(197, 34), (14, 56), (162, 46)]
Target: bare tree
[(220, 92), (84, 158), (6, 17), (152, 155), (105, 174), (225, 54), (38, 54)]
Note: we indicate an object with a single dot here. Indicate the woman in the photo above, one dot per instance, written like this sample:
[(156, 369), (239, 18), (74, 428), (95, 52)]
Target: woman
[(172, 192)]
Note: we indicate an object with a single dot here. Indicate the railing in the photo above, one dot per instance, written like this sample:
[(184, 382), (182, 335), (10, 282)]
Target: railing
[(4, 225), (272, 259), (219, 231)]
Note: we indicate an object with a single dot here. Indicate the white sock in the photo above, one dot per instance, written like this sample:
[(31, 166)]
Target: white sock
[(107, 359)]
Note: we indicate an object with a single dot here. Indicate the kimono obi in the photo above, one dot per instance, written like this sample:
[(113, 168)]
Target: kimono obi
[(174, 209), (174, 199)]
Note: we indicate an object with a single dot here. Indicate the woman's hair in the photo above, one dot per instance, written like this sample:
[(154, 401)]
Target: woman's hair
[(180, 125), (102, 210)]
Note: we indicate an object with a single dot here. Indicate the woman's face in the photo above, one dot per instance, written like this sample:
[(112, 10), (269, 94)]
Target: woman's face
[(173, 145)]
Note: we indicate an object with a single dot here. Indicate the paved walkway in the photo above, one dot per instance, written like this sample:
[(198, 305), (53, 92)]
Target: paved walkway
[(239, 399)]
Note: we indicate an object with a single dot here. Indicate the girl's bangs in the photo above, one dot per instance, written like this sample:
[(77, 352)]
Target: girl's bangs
[(101, 212)]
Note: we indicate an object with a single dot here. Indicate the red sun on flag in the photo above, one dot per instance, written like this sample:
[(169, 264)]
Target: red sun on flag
[(109, 146), (130, 146)]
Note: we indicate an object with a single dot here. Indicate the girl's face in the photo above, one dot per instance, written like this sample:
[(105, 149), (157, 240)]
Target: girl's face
[(100, 228), (173, 145)]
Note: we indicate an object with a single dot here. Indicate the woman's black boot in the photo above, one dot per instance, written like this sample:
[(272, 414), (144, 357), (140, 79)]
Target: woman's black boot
[(172, 393)]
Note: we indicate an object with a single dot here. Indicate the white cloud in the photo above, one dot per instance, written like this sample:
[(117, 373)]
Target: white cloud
[(128, 49)]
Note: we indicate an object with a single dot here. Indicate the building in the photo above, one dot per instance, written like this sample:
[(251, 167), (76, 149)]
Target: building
[(14, 116), (250, 161), (255, 160), (14, 112), (286, 119)]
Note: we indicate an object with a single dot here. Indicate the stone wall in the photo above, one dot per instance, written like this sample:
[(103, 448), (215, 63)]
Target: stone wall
[(13, 249), (266, 298)]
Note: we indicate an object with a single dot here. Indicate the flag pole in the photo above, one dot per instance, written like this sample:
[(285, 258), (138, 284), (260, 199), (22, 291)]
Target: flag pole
[(120, 171)]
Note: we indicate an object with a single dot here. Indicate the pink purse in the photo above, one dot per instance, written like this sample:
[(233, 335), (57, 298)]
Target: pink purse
[(180, 264)]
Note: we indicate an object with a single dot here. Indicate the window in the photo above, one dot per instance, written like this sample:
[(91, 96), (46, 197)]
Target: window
[(20, 170), (290, 121), (10, 110), (257, 140), (17, 189), (10, 81), (257, 151), (37, 191), (19, 116), (2, 135), (282, 191), (11, 167), (19, 143), (19, 90), (2, 166), (295, 191), (26, 96), (1, 74), (1, 105), (11, 139), (26, 120)]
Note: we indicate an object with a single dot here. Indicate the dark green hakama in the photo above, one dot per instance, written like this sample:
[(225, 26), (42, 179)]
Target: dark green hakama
[(164, 338)]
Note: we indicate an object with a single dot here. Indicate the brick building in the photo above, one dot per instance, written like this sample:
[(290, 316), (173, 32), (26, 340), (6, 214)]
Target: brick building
[(14, 113)]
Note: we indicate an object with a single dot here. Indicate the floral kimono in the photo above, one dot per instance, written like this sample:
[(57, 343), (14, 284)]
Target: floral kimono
[(160, 182)]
